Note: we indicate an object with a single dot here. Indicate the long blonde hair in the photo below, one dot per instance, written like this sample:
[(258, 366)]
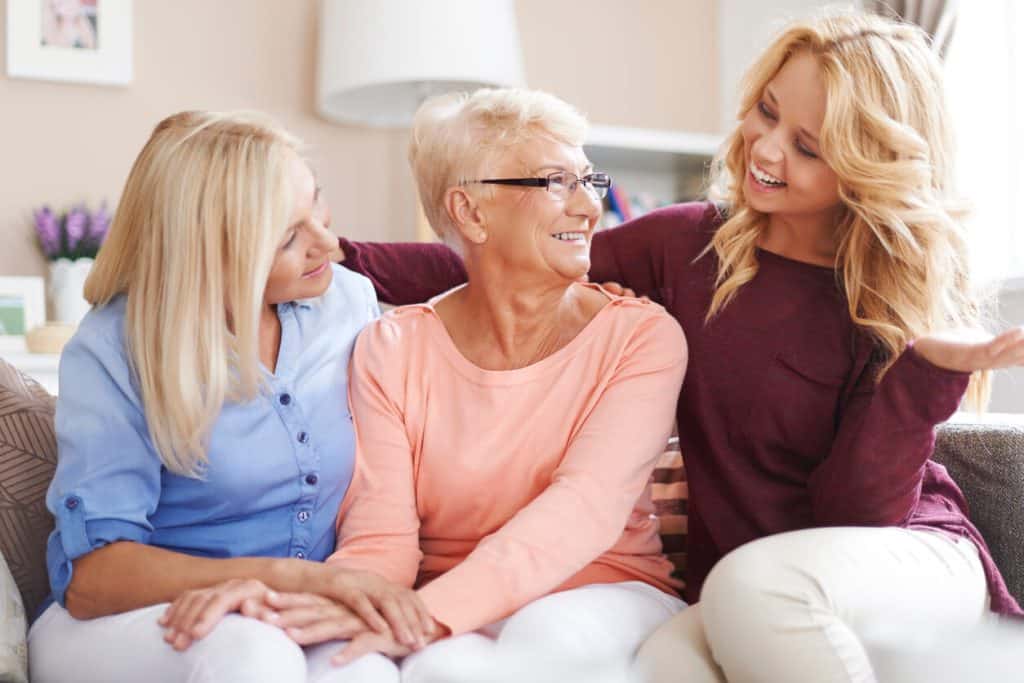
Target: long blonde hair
[(901, 252), (191, 245)]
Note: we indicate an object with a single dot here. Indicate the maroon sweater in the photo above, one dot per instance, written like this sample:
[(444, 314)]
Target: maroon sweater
[(781, 421)]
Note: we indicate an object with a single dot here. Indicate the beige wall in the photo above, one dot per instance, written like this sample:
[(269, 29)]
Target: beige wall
[(64, 143)]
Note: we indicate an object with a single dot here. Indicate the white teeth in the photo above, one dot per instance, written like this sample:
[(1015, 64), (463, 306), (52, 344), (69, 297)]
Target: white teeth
[(569, 236), (763, 177)]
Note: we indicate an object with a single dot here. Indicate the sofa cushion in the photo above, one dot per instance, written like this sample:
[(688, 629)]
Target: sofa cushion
[(670, 494), (13, 630), (985, 456), (28, 457)]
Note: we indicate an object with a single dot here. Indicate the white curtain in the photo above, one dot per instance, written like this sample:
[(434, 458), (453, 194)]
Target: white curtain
[(985, 90), (936, 17)]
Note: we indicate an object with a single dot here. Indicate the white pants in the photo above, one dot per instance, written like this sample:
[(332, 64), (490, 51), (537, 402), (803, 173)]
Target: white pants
[(811, 605), (131, 647), (589, 633)]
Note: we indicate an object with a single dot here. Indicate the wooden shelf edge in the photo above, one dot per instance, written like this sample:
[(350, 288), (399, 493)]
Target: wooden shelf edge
[(653, 140)]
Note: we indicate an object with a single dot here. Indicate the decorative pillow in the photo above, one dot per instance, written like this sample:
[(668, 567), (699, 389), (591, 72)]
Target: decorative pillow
[(28, 457), (13, 649), (670, 493)]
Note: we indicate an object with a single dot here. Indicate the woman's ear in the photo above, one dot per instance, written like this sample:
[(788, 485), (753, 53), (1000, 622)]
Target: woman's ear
[(466, 215)]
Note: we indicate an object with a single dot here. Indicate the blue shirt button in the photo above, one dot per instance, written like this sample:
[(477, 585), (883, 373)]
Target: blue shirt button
[(71, 502), (303, 515), (284, 399), (303, 437), (301, 555), (312, 479)]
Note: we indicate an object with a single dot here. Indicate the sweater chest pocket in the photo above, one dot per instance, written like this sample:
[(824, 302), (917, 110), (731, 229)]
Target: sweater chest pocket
[(795, 410)]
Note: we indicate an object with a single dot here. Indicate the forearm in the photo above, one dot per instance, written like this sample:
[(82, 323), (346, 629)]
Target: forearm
[(124, 576), (873, 475)]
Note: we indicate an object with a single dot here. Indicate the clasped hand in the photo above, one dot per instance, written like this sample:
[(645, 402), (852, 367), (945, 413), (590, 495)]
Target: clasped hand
[(376, 615)]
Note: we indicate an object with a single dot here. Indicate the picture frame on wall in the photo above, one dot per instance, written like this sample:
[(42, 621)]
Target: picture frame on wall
[(22, 308), (73, 41)]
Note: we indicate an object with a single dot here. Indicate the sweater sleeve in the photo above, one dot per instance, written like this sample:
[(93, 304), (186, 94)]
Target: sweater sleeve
[(589, 498), (644, 253), (404, 272), (378, 524), (886, 434)]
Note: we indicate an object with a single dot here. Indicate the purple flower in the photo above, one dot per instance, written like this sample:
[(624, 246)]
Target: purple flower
[(99, 222), (75, 226), (48, 231)]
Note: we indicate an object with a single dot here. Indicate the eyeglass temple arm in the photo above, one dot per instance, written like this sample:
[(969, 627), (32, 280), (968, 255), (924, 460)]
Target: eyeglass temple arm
[(527, 182)]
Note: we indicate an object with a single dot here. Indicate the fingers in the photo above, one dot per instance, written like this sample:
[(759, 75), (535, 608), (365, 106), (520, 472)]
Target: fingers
[(223, 602), (365, 644), (194, 614), (348, 588), (614, 288), (283, 601), (1007, 349), (330, 629), (405, 629), (359, 603), (304, 617), (426, 620)]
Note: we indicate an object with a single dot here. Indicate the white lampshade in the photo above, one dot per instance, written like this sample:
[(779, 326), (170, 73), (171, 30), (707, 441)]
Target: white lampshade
[(379, 59)]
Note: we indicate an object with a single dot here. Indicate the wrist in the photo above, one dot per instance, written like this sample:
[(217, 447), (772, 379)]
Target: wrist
[(290, 575)]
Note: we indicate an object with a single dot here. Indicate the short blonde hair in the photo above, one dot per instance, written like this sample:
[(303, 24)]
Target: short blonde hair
[(457, 137), (192, 244), (902, 252)]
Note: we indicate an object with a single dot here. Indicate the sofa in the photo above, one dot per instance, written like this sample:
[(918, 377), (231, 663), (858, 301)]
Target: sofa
[(984, 453)]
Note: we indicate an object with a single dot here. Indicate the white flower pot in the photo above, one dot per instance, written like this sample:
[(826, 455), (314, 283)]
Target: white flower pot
[(67, 284)]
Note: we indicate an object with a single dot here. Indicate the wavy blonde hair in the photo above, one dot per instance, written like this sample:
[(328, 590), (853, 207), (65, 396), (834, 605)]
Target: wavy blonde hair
[(901, 253), (191, 245)]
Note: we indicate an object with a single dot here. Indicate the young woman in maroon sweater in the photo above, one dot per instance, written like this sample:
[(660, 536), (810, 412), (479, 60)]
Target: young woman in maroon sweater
[(816, 307)]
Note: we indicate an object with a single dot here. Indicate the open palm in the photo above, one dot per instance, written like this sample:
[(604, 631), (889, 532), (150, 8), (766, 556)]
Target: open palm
[(971, 351)]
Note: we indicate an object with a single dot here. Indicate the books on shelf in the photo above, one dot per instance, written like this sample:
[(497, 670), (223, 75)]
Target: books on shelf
[(621, 206)]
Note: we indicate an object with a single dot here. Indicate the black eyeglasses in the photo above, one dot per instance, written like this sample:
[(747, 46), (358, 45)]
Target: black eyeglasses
[(560, 183)]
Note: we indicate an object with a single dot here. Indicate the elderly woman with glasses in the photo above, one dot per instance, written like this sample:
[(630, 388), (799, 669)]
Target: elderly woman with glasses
[(507, 430)]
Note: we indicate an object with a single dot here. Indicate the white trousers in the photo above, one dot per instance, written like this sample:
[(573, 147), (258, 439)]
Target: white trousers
[(817, 605), (586, 634)]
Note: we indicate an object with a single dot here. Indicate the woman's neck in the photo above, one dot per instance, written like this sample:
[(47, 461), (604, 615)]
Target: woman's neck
[(810, 239), (270, 337), (498, 327)]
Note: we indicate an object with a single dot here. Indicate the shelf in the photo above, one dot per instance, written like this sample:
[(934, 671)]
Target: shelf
[(650, 149), (41, 367), (666, 165)]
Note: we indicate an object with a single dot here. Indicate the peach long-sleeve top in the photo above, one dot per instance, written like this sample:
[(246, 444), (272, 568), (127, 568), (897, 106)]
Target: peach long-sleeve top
[(489, 489)]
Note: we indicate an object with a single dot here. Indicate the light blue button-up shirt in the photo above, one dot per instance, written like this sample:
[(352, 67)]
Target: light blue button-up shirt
[(278, 468)]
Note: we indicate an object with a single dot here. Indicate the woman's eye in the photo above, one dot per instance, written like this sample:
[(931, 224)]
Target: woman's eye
[(806, 152), (763, 108), (288, 242)]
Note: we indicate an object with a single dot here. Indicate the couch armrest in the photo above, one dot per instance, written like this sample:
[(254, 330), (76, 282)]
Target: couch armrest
[(985, 456)]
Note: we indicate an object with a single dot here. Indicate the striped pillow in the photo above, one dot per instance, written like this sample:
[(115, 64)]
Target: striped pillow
[(28, 457), (670, 494)]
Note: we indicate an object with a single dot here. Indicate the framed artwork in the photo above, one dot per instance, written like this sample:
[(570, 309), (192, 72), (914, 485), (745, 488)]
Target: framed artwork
[(22, 307), (77, 41)]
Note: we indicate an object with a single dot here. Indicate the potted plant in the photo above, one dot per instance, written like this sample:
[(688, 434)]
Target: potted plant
[(70, 241)]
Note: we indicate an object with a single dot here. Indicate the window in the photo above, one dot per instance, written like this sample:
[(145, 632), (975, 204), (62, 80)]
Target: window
[(985, 89)]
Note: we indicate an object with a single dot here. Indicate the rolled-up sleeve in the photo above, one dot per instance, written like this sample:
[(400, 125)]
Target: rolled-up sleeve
[(107, 483)]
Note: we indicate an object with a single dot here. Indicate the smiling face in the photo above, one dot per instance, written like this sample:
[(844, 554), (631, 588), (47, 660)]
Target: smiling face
[(529, 228), (785, 174), (302, 268)]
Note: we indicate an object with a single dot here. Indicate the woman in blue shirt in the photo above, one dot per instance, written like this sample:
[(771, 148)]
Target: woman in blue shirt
[(204, 439)]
